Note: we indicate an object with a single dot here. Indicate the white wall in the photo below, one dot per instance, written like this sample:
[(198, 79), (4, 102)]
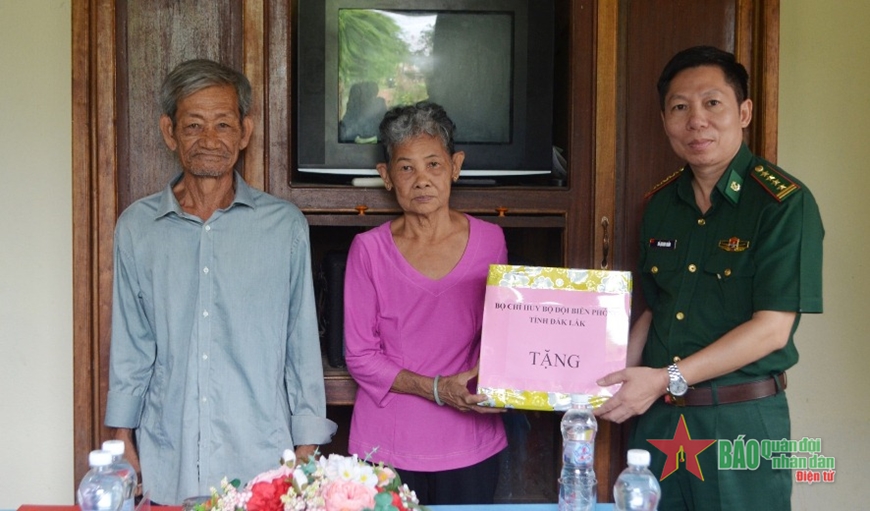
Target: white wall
[(823, 112), (823, 139), (36, 431)]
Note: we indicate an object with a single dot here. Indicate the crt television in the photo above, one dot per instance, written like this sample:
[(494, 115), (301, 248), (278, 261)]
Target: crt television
[(489, 63)]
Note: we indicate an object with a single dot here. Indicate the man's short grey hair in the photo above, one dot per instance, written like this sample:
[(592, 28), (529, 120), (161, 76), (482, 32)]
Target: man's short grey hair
[(195, 75), (402, 123)]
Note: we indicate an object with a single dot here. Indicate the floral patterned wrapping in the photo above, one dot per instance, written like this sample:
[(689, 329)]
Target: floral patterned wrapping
[(552, 332)]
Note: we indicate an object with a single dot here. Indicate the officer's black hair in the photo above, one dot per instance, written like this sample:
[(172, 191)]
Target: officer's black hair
[(696, 56)]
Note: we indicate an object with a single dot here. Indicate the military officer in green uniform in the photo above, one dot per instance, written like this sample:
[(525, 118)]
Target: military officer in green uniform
[(731, 256)]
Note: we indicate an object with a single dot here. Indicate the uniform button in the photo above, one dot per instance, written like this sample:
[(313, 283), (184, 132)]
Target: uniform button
[(205, 356), (205, 400), (207, 227), (701, 221), (205, 270), (654, 269), (205, 314), (727, 272), (680, 316), (693, 268)]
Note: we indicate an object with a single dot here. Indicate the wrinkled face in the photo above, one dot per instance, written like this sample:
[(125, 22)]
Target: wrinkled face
[(703, 120), (421, 170), (208, 134)]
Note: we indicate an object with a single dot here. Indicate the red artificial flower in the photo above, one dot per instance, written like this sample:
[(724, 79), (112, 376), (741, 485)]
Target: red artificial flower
[(266, 495), (397, 502)]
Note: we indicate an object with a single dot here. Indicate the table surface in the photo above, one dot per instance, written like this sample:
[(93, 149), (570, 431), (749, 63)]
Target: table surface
[(512, 507), (493, 507)]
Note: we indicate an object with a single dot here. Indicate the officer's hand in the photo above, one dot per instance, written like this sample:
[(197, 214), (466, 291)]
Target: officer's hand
[(641, 386)]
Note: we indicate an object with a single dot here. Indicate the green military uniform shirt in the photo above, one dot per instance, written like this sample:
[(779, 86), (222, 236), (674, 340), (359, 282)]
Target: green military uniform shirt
[(758, 247)]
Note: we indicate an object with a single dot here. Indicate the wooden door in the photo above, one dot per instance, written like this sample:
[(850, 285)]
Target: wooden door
[(653, 33)]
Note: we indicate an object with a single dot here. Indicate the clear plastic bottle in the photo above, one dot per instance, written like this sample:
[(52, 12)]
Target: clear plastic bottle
[(577, 484), (101, 489), (636, 488), (123, 468)]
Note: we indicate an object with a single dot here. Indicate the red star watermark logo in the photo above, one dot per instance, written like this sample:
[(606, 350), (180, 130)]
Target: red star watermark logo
[(683, 449)]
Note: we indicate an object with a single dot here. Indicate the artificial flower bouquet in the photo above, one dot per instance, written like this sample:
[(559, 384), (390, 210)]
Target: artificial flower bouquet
[(328, 483)]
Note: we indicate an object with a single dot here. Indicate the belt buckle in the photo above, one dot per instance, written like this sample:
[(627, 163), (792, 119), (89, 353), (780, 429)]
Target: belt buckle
[(675, 400)]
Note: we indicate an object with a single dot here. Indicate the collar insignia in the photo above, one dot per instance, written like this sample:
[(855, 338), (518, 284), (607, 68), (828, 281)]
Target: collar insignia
[(733, 187)]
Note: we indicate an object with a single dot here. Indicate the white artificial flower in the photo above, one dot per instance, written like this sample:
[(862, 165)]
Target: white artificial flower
[(289, 457)]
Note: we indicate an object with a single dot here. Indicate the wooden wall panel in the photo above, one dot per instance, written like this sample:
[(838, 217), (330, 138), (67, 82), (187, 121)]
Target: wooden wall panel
[(152, 38)]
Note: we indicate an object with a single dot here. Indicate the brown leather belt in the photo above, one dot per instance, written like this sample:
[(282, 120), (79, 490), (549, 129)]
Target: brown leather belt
[(727, 394)]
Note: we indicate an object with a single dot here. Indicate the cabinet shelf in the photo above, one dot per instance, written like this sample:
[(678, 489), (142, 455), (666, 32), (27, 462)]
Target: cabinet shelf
[(374, 218), (518, 200), (340, 386)]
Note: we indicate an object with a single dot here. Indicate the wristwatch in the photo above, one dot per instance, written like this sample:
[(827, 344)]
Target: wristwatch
[(677, 386)]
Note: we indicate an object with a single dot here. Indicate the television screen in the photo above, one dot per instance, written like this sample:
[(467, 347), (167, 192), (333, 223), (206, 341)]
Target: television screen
[(390, 58), (489, 63)]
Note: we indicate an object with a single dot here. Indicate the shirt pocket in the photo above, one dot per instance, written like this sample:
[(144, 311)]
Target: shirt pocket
[(733, 273), (661, 264)]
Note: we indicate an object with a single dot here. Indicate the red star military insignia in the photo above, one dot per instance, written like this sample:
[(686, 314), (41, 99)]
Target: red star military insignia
[(683, 449)]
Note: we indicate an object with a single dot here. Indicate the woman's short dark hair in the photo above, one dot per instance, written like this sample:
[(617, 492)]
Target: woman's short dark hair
[(195, 75), (401, 123), (696, 56)]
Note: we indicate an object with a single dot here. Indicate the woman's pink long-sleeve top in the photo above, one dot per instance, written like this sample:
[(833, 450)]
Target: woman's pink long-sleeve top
[(396, 318)]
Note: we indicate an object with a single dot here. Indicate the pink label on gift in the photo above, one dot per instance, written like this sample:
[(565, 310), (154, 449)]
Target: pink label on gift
[(552, 340)]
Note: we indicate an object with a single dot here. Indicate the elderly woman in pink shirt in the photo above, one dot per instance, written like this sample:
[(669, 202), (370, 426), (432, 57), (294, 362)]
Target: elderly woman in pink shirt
[(414, 291)]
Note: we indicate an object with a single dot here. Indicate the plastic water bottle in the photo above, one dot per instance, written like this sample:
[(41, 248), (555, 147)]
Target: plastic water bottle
[(578, 485), (101, 489), (636, 488), (125, 470)]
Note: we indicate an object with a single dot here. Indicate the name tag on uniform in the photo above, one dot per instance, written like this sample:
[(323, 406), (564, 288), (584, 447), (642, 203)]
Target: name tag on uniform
[(665, 244)]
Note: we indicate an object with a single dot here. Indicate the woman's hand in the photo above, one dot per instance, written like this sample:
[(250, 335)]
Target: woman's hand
[(453, 392)]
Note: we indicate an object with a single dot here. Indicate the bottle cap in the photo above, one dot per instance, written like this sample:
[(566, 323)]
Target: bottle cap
[(579, 399), (115, 447), (99, 458), (638, 457)]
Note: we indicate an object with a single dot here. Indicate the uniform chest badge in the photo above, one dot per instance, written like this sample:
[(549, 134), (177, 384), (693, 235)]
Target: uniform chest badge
[(734, 244)]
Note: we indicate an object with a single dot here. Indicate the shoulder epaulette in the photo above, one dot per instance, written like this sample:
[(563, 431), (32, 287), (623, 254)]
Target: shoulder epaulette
[(774, 182), (663, 183)]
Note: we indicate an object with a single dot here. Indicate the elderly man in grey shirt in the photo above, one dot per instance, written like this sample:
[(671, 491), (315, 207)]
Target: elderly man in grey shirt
[(215, 357)]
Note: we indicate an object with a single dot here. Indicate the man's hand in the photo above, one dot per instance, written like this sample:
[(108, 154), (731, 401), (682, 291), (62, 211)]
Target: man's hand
[(304, 452), (130, 453), (641, 386)]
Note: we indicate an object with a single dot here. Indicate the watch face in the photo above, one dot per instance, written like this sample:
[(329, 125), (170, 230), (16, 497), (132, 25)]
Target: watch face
[(678, 387)]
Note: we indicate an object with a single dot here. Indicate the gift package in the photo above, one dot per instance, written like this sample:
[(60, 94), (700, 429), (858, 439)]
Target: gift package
[(552, 332)]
